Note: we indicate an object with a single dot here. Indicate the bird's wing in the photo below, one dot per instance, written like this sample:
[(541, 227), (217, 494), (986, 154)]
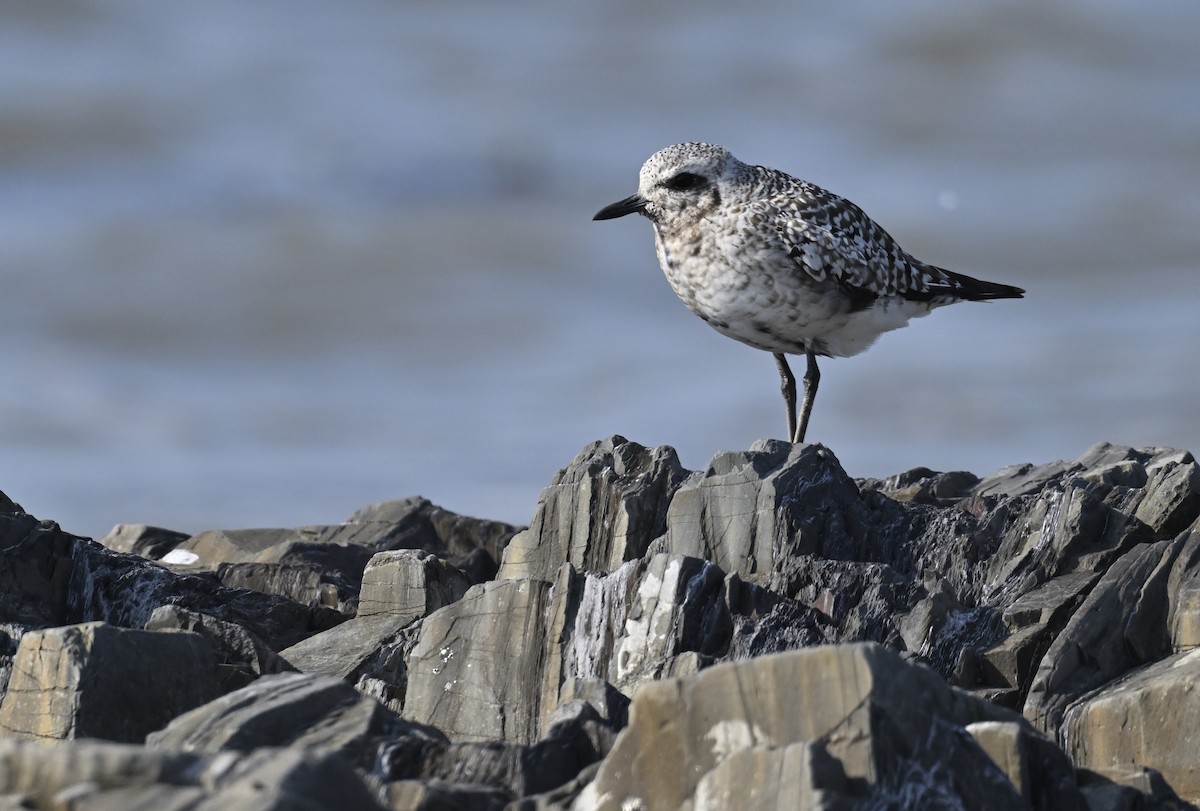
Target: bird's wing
[(831, 239)]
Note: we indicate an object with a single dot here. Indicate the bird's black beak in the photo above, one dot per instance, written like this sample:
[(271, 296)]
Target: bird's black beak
[(634, 203)]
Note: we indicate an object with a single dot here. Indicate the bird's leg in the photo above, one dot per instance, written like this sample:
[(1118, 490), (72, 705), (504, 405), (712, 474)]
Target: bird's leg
[(787, 384), (812, 378)]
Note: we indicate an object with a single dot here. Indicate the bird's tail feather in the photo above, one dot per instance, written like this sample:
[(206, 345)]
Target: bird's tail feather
[(972, 289)]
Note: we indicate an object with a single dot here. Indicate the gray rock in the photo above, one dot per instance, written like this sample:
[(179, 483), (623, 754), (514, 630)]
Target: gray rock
[(372, 654), (1183, 594), (294, 710), (1132, 789), (409, 583), (1150, 717), (314, 566), (1044, 588), (515, 770), (1051, 604), (92, 681), (458, 683), (1121, 624), (242, 656), (924, 486), (371, 649), (1039, 771), (316, 585), (435, 795), (660, 616), (892, 730), (323, 565), (1024, 479), (472, 544), (1033, 621), (762, 778), (601, 511), (35, 569), (125, 590), (1069, 527), (100, 776), (751, 511), (141, 539)]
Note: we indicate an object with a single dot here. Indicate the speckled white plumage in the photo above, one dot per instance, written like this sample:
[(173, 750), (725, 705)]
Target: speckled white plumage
[(781, 264)]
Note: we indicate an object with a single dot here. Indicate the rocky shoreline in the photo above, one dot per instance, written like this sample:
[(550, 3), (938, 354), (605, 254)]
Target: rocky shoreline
[(764, 633)]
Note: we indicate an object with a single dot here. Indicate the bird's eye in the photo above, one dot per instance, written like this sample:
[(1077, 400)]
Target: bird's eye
[(684, 181)]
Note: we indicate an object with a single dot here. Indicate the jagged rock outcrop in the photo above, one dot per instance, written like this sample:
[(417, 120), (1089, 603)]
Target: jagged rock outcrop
[(324, 565), (313, 713), (92, 681), (826, 727), (1029, 640), (95, 775)]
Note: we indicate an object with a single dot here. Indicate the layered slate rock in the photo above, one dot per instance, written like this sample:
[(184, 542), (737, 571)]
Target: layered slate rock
[(409, 583), (1149, 717), (821, 728), (313, 713), (398, 587), (475, 670), (1011, 621), (126, 590), (102, 776), (599, 512), (323, 565), (92, 681)]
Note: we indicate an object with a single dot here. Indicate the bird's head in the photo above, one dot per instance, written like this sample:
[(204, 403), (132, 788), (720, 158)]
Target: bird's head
[(680, 183)]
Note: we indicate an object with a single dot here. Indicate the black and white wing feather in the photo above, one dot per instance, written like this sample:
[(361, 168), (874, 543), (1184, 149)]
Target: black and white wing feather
[(832, 239)]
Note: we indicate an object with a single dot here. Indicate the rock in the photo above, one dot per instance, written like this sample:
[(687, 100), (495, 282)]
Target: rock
[(140, 539), (1150, 717), (856, 722), (1047, 588), (315, 566), (100, 776), (1050, 604), (471, 544), (760, 778), (361, 648), (370, 649), (41, 772), (1024, 479), (294, 710), (91, 681), (1039, 771), (125, 590), (311, 584), (1132, 789), (1121, 624), (750, 511), (512, 770), (1173, 497), (604, 509), (1183, 595), (242, 656), (35, 569), (323, 565), (434, 795), (493, 697), (409, 583), (661, 616), (1032, 620), (924, 486)]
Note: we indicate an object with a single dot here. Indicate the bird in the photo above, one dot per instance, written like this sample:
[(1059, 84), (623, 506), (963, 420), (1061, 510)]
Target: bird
[(783, 265)]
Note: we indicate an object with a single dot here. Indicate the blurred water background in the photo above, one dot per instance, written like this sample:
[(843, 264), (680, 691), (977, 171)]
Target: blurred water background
[(264, 263)]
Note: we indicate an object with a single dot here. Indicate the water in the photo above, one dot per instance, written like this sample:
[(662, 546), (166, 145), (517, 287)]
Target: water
[(261, 264)]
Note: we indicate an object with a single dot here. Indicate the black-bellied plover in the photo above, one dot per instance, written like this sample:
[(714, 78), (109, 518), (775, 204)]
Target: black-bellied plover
[(783, 265)]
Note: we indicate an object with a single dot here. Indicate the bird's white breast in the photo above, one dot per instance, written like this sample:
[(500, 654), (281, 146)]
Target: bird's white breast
[(745, 285)]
